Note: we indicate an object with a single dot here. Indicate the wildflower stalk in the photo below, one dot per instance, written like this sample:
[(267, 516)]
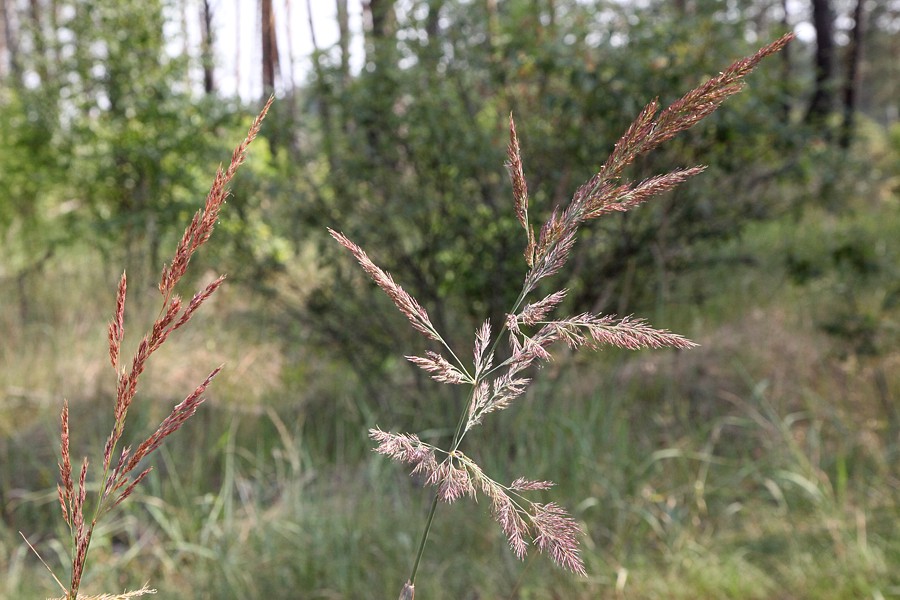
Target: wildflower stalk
[(530, 330)]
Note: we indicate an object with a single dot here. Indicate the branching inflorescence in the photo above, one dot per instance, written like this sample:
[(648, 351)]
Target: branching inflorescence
[(531, 331), (118, 481)]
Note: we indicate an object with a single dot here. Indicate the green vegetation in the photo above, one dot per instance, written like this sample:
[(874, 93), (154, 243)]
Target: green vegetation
[(759, 465), (762, 464)]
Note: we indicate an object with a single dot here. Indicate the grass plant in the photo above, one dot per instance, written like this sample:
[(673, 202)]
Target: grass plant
[(119, 466), (495, 375), (759, 465)]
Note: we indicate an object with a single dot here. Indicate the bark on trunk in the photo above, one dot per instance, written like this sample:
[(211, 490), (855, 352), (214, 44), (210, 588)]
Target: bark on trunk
[(269, 48), (852, 81), (822, 102), (206, 47)]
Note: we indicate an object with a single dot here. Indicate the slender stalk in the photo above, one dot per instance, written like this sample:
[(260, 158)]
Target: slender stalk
[(460, 427), (434, 503), (457, 437)]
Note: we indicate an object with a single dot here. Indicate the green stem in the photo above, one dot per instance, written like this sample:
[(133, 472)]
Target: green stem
[(434, 502), (457, 438), (460, 431), (412, 578)]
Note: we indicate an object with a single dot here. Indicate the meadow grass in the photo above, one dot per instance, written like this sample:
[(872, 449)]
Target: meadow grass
[(757, 466), (686, 493)]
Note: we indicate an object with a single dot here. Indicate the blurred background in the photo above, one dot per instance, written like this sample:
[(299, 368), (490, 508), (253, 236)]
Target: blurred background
[(763, 464)]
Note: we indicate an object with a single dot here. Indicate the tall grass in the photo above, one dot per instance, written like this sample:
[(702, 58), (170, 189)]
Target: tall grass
[(495, 374), (666, 475), (118, 479)]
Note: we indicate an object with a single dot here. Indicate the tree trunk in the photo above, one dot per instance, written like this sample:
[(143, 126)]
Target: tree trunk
[(822, 102), (376, 117), (322, 91), (852, 81), (10, 43), (432, 23), (269, 48), (343, 18), (495, 52), (237, 47), (291, 84), (206, 48), (39, 41), (786, 71), (379, 28)]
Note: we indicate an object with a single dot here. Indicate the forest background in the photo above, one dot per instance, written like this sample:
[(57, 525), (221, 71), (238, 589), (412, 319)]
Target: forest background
[(763, 464)]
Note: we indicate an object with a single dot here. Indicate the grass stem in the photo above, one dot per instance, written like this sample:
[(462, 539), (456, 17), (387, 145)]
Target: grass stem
[(434, 503)]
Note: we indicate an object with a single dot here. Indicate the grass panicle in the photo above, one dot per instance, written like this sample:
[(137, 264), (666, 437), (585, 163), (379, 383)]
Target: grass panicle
[(531, 332), (119, 481)]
